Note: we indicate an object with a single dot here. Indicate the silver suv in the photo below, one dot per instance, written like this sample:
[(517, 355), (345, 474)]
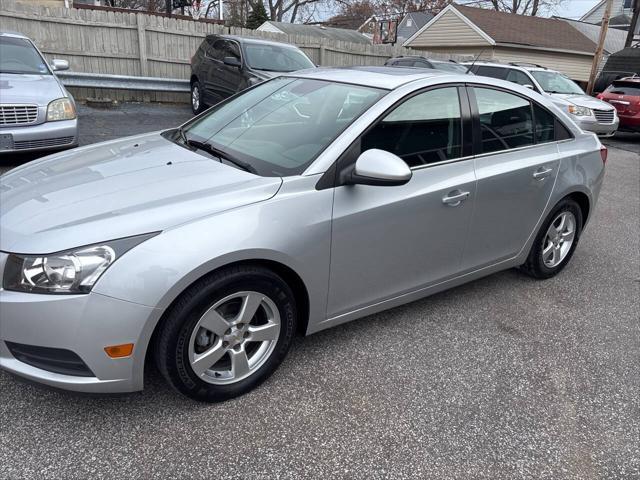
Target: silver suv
[(589, 113)]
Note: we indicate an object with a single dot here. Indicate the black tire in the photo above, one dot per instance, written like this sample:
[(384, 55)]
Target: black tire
[(200, 107), (172, 342), (535, 266)]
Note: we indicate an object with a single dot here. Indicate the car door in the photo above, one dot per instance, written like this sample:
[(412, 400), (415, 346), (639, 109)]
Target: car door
[(212, 79), (516, 166), (231, 78), (387, 241)]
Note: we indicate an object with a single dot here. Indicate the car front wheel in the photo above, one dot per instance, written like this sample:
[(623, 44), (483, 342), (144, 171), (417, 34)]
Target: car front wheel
[(197, 105), (227, 333), (556, 241)]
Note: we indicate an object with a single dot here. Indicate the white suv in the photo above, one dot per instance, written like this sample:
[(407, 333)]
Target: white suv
[(588, 112)]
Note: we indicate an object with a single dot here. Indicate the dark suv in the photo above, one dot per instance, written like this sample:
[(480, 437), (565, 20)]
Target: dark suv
[(421, 62), (226, 64)]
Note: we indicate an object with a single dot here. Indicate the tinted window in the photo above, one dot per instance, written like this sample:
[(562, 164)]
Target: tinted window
[(18, 55), (230, 49), (545, 124), (403, 63), (422, 64), (516, 76), (625, 88), (495, 72), (217, 49), (424, 129), (280, 126), (505, 120)]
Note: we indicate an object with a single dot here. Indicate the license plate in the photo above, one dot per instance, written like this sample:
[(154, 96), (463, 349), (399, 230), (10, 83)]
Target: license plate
[(6, 141)]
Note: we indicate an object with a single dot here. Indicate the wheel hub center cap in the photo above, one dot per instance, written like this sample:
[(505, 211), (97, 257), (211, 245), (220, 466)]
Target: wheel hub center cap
[(234, 338)]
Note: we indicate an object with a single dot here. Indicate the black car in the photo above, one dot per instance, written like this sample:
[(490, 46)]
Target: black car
[(226, 64), (421, 62)]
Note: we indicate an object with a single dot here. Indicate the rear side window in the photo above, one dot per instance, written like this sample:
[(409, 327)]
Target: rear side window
[(505, 120), (404, 63), (424, 129), (494, 72), (422, 64), (545, 125), (625, 88)]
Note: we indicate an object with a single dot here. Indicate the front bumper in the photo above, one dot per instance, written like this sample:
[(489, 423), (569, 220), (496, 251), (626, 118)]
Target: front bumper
[(44, 136), (83, 324), (590, 124)]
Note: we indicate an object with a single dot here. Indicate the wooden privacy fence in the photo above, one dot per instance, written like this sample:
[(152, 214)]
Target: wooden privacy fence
[(138, 44)]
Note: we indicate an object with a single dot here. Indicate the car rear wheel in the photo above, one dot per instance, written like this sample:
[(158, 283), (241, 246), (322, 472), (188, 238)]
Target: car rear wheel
[(556, 241), (197, 105), (227, 333)]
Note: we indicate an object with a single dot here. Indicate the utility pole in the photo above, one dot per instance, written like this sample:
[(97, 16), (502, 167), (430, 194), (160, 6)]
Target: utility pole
[(604, 26), (634, 24)]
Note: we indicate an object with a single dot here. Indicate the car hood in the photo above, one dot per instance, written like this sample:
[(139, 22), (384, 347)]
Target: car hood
[(581, 101), (117, 189), (34, 89)]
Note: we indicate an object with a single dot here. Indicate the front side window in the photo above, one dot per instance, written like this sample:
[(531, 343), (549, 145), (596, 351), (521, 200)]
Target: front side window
[(554, 82), (426, 128), (505, 120), (516, 76), (280, 126), (275, 58), (19, 56)]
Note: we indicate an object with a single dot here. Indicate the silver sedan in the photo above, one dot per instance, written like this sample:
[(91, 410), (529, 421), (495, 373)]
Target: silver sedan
[(36, 111), (302, 203)]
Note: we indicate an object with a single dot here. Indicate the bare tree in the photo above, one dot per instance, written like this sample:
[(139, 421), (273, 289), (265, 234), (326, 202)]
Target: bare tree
[(290, 10), (522, 7)]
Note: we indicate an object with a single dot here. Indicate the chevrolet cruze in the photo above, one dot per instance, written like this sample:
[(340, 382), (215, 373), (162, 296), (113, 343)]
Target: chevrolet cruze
[(301, 203)]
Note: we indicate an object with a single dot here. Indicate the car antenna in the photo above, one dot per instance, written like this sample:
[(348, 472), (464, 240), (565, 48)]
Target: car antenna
[(475, 60)]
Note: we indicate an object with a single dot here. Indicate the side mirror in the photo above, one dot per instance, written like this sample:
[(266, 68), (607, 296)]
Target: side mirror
[(232, 62), (378, 167), (530, 87), (58, 65)]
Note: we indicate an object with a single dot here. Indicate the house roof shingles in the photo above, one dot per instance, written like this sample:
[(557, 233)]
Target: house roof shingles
[(526, 30)]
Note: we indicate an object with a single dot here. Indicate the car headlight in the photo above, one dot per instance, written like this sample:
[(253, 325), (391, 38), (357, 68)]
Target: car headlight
[(579, 111), (61, 109), (71, 271)]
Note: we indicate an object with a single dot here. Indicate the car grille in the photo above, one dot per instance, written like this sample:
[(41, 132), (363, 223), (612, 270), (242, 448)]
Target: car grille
[(18, 114), (47, 142), (604, 116)]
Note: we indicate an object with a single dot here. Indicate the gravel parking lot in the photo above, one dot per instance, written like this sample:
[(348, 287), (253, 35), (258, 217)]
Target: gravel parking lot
[(506, 377)]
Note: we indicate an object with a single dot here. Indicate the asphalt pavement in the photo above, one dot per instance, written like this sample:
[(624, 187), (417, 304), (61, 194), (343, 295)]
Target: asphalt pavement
[(503, 378)]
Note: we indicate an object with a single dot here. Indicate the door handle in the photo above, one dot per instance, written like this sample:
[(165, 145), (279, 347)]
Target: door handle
[(542, 173), (455, 198)]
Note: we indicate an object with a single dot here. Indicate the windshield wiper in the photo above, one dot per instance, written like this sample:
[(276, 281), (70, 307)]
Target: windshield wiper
[(216, 152)]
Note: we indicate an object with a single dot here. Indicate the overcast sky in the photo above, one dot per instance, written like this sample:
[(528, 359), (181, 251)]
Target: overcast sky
[(575, 8)]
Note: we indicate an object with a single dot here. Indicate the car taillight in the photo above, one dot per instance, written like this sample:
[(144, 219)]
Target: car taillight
[(600, 96), (603, 154)]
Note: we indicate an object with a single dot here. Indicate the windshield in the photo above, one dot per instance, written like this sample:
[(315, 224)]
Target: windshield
[(279, 127), (275, 58), (450, 67), (18, 55), (554, 82)]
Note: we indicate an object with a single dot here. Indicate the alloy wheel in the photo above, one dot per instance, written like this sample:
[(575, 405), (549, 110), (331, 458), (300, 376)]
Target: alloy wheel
[(559, 239), (234, 338), (195, 98)]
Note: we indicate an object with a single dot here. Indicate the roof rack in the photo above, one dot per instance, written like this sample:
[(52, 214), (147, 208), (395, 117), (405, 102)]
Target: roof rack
[(525, 64)]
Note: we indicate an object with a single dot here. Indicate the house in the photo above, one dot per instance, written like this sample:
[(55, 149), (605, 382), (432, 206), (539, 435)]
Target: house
[(506, 37), (411, 23), (319, 31), (619, 10)]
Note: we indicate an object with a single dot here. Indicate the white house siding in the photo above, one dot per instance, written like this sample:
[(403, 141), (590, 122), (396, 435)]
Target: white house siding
[(448, 30), (595, 16), (576, 67)]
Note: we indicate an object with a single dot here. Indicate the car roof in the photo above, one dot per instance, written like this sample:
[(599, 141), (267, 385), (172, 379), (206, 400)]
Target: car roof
[(256, 41), (13, 35), (525, 68), (379, 77)]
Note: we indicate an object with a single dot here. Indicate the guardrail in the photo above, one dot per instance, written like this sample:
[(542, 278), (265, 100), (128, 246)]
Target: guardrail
[(123, 82)]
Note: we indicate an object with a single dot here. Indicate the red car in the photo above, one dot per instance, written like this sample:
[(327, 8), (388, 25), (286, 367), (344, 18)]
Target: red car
[(624, 94)]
